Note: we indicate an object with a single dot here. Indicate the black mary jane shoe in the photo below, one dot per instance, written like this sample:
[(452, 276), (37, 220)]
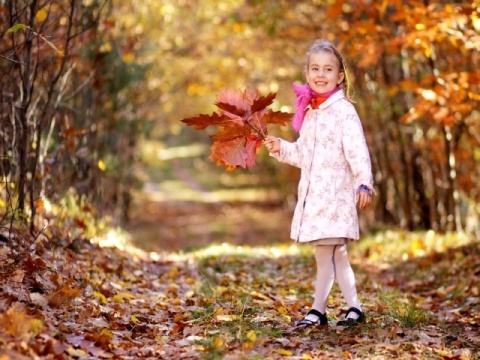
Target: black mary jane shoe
[(352, 322), (322, 319)]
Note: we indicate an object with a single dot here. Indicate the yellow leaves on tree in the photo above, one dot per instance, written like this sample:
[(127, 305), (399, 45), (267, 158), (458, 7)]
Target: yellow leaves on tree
[(17, 323), (41, 15)]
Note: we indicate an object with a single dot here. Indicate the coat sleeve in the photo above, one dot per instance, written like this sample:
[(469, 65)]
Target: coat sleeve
[(356, 150), (290, 152), (293, 153)]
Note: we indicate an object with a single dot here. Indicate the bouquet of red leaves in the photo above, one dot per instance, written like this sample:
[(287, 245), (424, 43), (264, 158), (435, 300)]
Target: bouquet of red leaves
[(242, 125)]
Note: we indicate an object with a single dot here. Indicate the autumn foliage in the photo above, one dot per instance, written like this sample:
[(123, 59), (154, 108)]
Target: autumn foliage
[(81, 83), (89, 79), (242, 125)]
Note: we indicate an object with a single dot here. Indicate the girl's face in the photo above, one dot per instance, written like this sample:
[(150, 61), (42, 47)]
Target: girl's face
[(323, 72)]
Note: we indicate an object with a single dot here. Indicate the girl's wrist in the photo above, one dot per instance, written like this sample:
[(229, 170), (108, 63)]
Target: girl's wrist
[(366, 189)]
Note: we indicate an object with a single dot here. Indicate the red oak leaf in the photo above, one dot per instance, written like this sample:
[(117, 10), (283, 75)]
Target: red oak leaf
[(242, 125), (202, 121), (230, 153)]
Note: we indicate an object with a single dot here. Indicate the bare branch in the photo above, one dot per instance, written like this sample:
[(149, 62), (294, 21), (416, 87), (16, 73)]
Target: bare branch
[(14, 61)]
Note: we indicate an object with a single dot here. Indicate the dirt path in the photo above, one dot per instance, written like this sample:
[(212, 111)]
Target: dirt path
[(190, 217), (167, 226)]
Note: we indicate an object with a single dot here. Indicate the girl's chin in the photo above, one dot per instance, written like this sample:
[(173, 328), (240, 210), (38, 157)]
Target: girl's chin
[(322, 89)]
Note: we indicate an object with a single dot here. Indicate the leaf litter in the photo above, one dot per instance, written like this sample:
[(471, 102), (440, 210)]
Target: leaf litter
[(87, 302)]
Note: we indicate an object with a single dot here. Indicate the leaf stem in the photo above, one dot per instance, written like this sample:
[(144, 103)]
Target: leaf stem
[(259, 132)]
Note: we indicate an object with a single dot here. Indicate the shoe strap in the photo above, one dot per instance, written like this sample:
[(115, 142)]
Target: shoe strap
[(316, 313), (322, 318), (356, 311)]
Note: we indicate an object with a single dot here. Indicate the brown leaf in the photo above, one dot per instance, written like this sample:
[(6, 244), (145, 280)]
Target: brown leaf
[(231, 109), (230, 132), (63, 296), (262, 102), (17, 323), (34, 264), (203, 121), (18, 275), (230, 153), (277, 117)]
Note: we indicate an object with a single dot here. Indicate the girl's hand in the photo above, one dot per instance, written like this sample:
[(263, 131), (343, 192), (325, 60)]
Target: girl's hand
[(363, 199), (272, 144)]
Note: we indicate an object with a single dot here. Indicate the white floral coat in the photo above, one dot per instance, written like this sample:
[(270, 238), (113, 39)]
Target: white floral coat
[(332, 154)]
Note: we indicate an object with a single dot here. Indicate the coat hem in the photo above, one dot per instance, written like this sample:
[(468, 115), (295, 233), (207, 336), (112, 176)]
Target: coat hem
[(327, 241)]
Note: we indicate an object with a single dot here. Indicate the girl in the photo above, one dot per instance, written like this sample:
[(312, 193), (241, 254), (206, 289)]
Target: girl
[(332, 154)]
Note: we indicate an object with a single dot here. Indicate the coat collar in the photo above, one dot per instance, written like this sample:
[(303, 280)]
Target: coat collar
[(339, 95)]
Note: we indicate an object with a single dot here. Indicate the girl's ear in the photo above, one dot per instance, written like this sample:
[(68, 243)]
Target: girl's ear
[(341, 77)]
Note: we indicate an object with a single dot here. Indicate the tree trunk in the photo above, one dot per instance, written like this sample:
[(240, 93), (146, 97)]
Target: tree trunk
[(46, 111), (428, 166), (26, 74), (405, 158), (452, 198)]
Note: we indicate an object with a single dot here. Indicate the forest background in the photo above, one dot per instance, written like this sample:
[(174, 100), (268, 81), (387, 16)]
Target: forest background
[(87, 86), (93, 91)]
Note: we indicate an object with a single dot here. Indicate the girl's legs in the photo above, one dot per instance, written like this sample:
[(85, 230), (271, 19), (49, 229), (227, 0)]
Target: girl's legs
[(325, 278), (332, 263), (346, 279)]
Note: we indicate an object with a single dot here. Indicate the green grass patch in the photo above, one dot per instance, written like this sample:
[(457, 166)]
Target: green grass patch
[(403, 309)]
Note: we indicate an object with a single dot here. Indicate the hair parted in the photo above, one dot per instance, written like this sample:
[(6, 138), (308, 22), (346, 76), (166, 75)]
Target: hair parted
[(325, 45)]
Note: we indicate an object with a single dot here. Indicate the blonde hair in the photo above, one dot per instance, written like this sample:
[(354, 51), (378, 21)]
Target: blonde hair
[(325, 45)]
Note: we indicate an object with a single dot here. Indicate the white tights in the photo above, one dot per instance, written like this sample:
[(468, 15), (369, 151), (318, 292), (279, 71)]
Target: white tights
[(332, 263)]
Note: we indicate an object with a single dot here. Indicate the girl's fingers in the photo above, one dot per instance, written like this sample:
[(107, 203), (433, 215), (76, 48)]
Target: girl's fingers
[(271, 143), (363, 200), (368, 200)]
